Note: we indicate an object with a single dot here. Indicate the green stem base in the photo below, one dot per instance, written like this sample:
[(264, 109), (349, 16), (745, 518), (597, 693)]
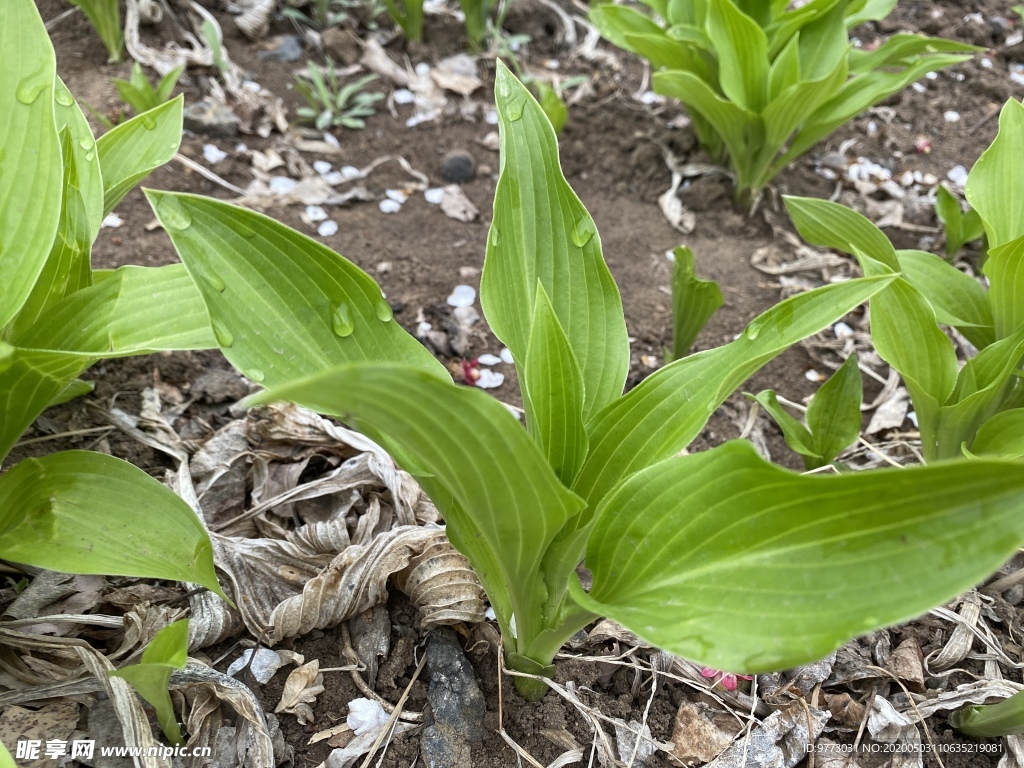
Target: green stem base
[(527, 687)]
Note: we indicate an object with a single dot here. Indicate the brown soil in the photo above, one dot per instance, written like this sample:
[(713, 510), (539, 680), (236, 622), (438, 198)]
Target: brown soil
[(610, 156)]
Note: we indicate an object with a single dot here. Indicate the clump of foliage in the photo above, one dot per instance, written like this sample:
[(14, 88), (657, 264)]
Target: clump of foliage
[(978, 408), (105, 17), (764, 82), (961, 227), (673, 542), (139, 94), (76, 511), (332, 103)]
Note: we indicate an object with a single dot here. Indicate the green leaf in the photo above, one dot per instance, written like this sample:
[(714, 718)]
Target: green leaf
[(542, 233), (282, 305), (900, 49), (509, 502), (958, 299), (861, 11), (833, 415), (729, 561), (166, 652), (133, 310), (1005, 271), (82, 512), (824, 44), (662, 415), (1002, 436), (552, 105), (830, 225), (90, 182), (785, 69), (1005, 718), (948, 211), (77, 388), (105, 17), (137, 147), (553, 392), (30, 154), (615, 22), (694, 301), (742, 50), (796, 435)]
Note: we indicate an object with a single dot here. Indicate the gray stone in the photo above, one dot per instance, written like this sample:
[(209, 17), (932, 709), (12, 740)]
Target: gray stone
[(457, 705), (283, 48), (458, 166), (206, 116)]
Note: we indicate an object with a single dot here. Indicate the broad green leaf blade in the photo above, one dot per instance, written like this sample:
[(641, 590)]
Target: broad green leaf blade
[(166, 652), (513, 502), (831, 225), (668, 409), (785, 69), (742, 49), (90, 181), (77, 388), (615, 22), (29, 382), (694, 301), (283, 306), (795, 434), (1003, 719), (542, 233), (30, 155), (553, 392), (131, 311), (729, 561), (993, 187), (82, 512), (664, 52), (958, 299), (861, 11), (824, 44), (949, 213), (901, 48), (133, 150), (1002, 436), (833, 414), (1005, 271)]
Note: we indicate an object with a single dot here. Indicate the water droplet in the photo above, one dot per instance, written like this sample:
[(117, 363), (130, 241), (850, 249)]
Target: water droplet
[(242, 229), (256, 375), (584, 231), (173, 214), (214, 280), (341, 320), (86, 143), (515, 106), (62, 95), (495, 236), (89, 156), (30, 87), (383, 310), (753, 330), (148, 122), (224, 337)]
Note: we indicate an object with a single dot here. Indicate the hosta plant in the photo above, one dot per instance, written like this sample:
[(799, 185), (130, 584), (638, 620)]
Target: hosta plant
[(960, 226), (716, 556), (76, 511), (765, 82), (105, 17), (977, 408), (139, 94), (332, 103)]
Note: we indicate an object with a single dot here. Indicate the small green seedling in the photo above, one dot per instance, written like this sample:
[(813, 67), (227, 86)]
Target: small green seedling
[(966, 409), (407, 16), (763, 81), (478, 14), (833, 417), (694, 301), (333, 104), (673, 542), (961, 226), (1005, 718), (166, 652), (76, 511), (105, 17), (139, 94)]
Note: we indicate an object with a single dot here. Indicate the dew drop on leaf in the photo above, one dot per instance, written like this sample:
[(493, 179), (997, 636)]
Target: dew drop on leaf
[(256, 375), (214, 280), (30, 87), (89, 156), (341, 320), (224, 337), (62, 95), (584, 231), (86, 143), (495, 237), (383, 310), (515, 106), (753, 330), (173, 214)]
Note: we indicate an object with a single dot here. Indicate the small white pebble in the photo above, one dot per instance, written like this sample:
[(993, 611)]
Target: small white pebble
[(322, 167), (241, 149), (350, 172), (390, 206), (491, 118), (670, 255), (282, 185), (872, 128), (434, 195), (334, 177), (423, 329), (397, 195), (951, 116), (422, 69), (489, 360), (327, 228), (506, 355), (462, 296), (489, 379), (113, 221), (213, 154), (1017, 77), (315, 213), (649, 97), (365, 715), (920, 87), (842, 331), (958, 175), (813, 375), (404, 96), (551, 63), (907, 178), (932, 75), (331, 139), (986, 62)]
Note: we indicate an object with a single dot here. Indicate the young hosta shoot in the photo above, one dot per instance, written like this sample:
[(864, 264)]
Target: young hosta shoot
[(166, 652), (408, 16), (139, 94), (674, 542), (1003, 719), (76, 511), (961, 227), (694, 301), (333, 104), (764, 82), (954, 405), (833, 417), (105, 17)]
